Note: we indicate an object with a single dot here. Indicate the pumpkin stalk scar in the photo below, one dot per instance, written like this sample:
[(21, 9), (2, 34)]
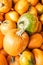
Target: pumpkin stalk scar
[(12, 59)]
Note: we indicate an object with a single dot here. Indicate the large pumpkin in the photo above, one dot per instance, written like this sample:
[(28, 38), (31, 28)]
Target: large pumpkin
[(13, 43)]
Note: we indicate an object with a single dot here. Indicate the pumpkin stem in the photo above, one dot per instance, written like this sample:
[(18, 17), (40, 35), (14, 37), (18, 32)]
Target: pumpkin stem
[(20, 32), (1, 4), (12, 59)]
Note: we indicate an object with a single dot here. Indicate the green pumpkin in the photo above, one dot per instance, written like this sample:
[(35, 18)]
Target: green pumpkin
[(28, 22)]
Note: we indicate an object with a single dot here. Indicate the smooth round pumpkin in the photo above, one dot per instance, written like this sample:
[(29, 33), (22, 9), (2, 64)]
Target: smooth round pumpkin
[(7, 25), (5, 5), (35, 41), (1, 40), (12, 15), (3, 60), (16, 43), (27, 58), (21, 6), (38, 54)]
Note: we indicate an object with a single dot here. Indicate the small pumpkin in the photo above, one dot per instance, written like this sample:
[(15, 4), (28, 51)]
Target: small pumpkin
[(38, 54), (27, 58), (36, 41), (16, 42), (21, 6), (3, 60), (39, 8), (5, 5), (7, 25), (12, 15)]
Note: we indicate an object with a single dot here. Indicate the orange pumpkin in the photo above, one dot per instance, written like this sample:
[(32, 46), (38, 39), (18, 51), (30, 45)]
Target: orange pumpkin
[(38, 54), (3, 60), (16, 43), (7, 25), (1, 40), (21, 6), (5, 5), (2, 51), (35, 41), (12, 15)]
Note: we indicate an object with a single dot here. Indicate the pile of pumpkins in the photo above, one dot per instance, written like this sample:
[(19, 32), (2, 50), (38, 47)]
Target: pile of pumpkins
[(21, 32)]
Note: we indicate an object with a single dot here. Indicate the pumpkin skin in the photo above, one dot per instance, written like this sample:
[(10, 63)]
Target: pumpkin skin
[(16, 43), (15, 1), (1, 40), (36, 41), (3, 60), (7, 25), (5, 5), (1, 17), (38, 54), (2, 51), (41, 47), (12, 15), (27, 58)]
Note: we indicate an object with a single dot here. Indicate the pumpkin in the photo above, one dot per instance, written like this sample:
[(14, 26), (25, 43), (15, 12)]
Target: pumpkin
[(1, 40), (7, 25), (5, 5), (38, 54), (3, 60), (27, 58), (12, 15), (39, 8), (16, 43), (21, 6), (28, 22), (35, 41)]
